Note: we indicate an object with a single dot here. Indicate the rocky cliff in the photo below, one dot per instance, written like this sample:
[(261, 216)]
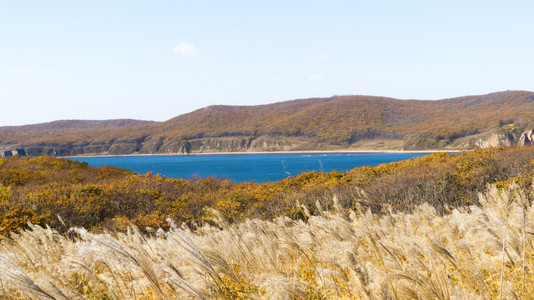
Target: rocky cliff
[(526, 138)]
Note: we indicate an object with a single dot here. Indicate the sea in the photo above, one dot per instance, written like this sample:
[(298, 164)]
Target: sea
[(246, 167)]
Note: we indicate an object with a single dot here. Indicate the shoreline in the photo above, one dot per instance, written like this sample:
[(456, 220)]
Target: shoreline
[(266, 152)]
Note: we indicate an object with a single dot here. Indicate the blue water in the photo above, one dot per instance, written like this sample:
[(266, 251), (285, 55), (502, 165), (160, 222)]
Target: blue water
[(246, 167)]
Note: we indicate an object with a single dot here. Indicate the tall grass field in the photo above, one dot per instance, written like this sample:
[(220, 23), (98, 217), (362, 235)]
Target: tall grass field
[(472, 252)]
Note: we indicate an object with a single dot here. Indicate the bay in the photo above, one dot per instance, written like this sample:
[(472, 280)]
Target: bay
[(246, 167)]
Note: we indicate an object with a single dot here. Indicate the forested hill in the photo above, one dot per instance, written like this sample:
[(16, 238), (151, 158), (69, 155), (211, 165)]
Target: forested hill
[(339, 122)]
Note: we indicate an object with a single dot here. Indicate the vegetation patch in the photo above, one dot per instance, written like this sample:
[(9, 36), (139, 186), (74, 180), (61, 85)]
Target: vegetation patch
[(435, 227), (61, 193), (482, 251)]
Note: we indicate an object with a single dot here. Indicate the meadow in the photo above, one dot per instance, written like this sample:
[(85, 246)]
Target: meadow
[(436, 227)]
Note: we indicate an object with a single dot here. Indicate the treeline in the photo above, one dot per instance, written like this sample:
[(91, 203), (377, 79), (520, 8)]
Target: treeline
[(62, 193)]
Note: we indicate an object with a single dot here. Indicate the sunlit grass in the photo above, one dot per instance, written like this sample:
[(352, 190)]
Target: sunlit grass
[(342, 255)]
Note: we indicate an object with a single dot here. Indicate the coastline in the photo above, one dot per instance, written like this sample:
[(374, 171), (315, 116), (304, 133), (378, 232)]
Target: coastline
[(268, 152)]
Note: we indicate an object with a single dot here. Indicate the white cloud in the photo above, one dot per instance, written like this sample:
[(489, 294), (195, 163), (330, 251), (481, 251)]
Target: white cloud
[(320, 56), (186, 49), (280, 78), (315, 77)]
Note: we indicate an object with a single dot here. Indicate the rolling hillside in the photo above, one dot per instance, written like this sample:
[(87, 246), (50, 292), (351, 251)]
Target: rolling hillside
[(339, 122)]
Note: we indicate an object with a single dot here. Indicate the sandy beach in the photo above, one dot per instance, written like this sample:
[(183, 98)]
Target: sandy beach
[(304, 152)]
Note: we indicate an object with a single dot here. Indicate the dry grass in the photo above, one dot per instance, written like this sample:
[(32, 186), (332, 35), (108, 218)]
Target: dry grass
[(343, 255)]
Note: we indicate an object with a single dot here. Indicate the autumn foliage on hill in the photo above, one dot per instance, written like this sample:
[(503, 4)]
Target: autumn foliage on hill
[(317, 123), (62, 193)]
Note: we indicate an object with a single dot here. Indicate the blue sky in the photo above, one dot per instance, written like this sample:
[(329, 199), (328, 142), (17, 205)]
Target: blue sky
[(154, 60)]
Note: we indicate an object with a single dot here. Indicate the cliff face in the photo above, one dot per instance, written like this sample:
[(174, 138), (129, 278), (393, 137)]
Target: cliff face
[(494, 140), (527, 138), (341, 122), (170, 146)]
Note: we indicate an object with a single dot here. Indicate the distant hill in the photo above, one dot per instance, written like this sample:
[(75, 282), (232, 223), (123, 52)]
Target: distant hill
[(339, 122), (64, 126)]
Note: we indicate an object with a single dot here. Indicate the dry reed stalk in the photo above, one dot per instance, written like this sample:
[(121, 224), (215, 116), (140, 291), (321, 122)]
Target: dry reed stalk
[(503, 253), (337, 255)]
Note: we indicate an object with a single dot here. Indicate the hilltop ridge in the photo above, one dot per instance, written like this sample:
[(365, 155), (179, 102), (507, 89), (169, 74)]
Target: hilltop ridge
[(334, 123)]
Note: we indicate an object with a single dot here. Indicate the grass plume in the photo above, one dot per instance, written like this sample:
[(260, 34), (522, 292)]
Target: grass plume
[(475, 252)]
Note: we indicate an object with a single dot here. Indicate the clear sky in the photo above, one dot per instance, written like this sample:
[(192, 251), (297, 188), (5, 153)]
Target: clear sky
[(153, 60)]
